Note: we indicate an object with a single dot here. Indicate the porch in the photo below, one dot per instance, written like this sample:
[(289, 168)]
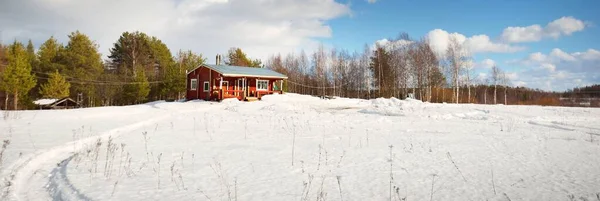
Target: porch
[(245, 88)]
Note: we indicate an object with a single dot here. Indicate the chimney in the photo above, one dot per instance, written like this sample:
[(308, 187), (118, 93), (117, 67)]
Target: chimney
[(218, 60)]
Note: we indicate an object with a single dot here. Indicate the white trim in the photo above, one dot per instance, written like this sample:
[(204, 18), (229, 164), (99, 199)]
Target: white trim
[(250, 75), (193, 84), (267, 85), (206, 86)]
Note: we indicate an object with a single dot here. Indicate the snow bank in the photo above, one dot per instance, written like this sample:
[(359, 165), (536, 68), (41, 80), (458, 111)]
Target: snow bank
[(290, 147), (391, 106)]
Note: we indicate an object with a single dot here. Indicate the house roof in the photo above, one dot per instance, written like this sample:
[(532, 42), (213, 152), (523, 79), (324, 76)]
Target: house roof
[(239, 71), (44, 101), (53, 102), (59, 101)]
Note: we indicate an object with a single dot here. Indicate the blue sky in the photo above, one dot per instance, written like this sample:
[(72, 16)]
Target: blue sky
[(386, 18), (551, 44)]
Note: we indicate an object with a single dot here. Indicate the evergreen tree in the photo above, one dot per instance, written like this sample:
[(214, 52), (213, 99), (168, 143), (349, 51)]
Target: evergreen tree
[(173, 82), (131, 50), (138, 50), (46, 63), (162, 63), (82, 62), (188, 60), (138, 90), (236, 57), (17, 79), (48, 57), (57, 87), (381, 68), (31, 54), (110, 94)]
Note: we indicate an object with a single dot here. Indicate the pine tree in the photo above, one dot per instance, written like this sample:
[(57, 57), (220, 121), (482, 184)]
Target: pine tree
[(381, 69), (31, 53), (174, 76), (46, 63), (138, 90), (173, 82), (57, 87), (48, 57), (162, 63), (130, 51), (17, 79), (82, 62), (188, 60), (237, 57)]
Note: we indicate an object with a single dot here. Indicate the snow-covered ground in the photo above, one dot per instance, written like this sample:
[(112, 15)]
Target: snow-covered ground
[(294, 147)]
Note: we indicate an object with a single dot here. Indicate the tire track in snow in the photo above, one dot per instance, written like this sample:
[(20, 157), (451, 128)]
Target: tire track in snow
[(24, 172), (59, 186), (550, 126)]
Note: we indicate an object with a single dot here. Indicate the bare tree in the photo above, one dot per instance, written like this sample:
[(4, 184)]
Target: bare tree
[(505, 82), (468, 67), (454, 57), (495, 76)]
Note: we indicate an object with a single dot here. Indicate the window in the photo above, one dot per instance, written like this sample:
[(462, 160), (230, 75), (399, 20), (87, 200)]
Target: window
[(206, 86), (262, 85), (194, 84)]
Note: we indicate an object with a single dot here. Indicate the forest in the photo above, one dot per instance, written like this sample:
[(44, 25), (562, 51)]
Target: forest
[(141, 68)]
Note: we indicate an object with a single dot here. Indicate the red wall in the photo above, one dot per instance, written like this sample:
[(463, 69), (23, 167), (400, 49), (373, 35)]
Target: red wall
[(204, 74)]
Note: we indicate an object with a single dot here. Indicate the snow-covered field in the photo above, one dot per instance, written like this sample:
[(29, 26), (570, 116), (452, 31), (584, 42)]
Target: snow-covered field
[(294, 147)]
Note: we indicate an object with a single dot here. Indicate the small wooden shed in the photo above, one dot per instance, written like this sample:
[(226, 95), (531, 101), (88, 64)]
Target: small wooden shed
[(53, 104), (218, 82)]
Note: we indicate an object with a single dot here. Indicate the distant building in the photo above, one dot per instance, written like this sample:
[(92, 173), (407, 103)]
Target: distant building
[(218, 82), (52, 104)]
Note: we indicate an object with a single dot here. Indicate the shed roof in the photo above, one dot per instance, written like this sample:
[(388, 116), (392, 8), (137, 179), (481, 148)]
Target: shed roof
[(238, 71)]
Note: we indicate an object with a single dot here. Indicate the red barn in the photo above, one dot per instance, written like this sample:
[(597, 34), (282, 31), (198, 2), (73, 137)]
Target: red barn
[(218, 82)]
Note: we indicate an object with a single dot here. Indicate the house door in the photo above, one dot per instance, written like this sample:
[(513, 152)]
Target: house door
[(226, 86)]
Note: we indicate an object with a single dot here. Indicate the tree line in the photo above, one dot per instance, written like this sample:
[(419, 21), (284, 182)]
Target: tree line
[(139, 68), (399, 68), (405, 67)]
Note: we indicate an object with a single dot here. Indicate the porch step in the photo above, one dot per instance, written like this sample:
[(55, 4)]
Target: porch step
[(250, 99)]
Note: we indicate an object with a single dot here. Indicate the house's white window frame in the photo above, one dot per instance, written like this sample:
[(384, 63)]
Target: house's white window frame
[(206, 86), (266, 85), (193, 84)]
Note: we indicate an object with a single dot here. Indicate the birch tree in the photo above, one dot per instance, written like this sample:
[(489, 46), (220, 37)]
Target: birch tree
[(454, 57), (495, 78)]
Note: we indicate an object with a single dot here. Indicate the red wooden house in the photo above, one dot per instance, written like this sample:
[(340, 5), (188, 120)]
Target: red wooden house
[(218, 82)]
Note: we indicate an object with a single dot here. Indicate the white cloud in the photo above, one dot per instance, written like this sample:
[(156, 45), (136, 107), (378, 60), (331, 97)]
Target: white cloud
[(519, 83), (486, 64), (564, 26), (391, 44), (548, 67), (557, 53), (439, 41), (590, 54), (537, 57), (206, 26), (560, 70), (522, 34), (372, 1)]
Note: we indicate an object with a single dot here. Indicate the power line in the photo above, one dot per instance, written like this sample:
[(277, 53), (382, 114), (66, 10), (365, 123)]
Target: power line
[(97, 82), (314, 87)]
